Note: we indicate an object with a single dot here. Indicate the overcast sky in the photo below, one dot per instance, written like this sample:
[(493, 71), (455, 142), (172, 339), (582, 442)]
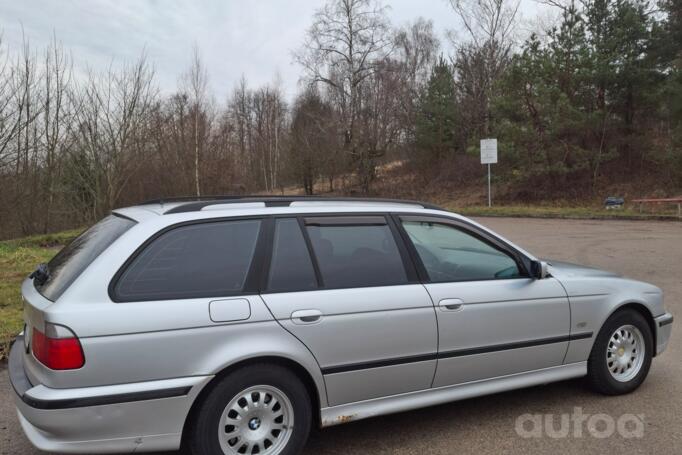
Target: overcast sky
[(254, 38)]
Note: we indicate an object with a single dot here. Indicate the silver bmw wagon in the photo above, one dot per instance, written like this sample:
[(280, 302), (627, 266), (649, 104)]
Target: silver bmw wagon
[(233, 325)]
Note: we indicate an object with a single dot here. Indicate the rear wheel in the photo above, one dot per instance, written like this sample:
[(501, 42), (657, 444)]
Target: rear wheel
[(621, 355), (261, 409)]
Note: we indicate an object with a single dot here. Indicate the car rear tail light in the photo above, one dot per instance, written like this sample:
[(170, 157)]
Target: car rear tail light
[(58, 348)]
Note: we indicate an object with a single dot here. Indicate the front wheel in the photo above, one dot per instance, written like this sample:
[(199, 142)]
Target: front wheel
[(260, 409), (621, 355)]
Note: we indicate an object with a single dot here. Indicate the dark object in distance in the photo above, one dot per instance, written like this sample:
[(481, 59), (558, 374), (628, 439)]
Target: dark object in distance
[(612, 202)]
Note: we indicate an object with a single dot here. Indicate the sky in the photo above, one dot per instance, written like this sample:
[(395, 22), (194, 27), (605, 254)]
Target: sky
[(253, 38)]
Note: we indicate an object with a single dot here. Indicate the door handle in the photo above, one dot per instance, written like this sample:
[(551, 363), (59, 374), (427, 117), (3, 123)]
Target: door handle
[(306, 316), (451, 304)]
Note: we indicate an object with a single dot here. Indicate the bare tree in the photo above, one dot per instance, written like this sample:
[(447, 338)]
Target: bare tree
[(488, 20), (174, 160), (380, 121), (416, 49), (113, 133), (196, 83), (342, 49), (312, 132), (239, 112), (269, 117), (9, 118), (490, 26), (57, 117), (25, 86)]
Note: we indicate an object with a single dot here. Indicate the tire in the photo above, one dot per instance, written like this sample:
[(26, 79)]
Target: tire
[(256, 420), (626, 366)]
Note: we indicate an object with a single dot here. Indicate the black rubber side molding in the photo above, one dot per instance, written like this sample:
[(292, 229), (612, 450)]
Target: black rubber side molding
[(105, 399), (450, 354), (666, 322), (379, 363), (516, 345)]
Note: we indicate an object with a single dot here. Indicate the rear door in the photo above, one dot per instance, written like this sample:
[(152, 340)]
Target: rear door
[(346, 288), (493, 319)]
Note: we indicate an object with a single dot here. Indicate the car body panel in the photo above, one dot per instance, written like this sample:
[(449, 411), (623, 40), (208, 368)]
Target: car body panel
[(499, 313), (664, 326), (205, 350), (127, 417), (365, 325), (595, 295)]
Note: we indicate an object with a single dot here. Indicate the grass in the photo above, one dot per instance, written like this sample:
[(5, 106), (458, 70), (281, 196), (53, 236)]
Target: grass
[(17, 259)]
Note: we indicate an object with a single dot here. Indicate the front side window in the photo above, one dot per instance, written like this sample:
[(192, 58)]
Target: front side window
[(199, 260), (451, 254), (356, 255)]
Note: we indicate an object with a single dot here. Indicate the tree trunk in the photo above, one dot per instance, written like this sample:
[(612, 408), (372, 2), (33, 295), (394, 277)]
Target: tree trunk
[(196, 151)]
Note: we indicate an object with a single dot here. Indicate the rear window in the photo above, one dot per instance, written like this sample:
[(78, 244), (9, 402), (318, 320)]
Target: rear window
[(70, 262), (194, 261)]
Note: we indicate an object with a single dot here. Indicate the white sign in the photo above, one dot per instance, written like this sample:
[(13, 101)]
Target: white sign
[(488, 151)]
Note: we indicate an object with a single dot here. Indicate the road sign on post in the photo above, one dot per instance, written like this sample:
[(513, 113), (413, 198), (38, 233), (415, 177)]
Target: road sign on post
[(489, 156)]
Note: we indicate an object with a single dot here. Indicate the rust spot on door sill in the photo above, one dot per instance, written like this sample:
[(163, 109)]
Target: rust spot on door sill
[(344, 419)]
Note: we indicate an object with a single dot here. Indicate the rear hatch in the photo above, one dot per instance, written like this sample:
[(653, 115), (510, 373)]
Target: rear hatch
[(49, 282)]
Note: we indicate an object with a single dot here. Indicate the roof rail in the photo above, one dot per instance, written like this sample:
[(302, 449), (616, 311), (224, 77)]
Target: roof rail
[(197, 203), (165, 200)]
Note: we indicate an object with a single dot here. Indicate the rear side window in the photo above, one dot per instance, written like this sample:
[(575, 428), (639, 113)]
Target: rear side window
[(357, 255), (74, 258), (291, 268), (199, 260)]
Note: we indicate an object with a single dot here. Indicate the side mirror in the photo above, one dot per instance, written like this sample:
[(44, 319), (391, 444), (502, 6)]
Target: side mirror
[(538, 270)]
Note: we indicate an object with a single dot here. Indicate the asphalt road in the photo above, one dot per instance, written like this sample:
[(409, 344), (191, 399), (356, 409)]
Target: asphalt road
[(650, 251)]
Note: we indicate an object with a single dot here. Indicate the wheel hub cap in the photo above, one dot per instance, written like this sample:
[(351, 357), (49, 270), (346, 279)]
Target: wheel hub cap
[(254, 423)]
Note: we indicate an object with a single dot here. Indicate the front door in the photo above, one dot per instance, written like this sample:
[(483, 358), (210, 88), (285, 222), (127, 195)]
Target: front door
[(493, 319), (356, 303)]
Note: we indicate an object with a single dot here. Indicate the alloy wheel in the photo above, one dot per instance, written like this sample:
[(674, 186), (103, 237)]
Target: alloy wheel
[(258, 420)]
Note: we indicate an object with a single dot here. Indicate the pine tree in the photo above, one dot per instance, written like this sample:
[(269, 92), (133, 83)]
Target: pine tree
[(435, 131)]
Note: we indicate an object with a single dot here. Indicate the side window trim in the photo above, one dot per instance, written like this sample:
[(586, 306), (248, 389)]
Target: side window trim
[(417, 264), (253, 275), (311, 253), (256, 278), (340, 220), (408, 262), (468, 229)]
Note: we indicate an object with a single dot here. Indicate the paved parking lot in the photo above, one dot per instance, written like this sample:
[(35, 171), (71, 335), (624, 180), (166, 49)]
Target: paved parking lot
[(650, 251)]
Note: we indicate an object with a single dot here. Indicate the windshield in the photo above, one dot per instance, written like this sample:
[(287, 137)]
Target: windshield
[(70, 262)]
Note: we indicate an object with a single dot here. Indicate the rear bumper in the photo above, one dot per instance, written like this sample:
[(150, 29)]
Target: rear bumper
[(144, 416), (664, 326)]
